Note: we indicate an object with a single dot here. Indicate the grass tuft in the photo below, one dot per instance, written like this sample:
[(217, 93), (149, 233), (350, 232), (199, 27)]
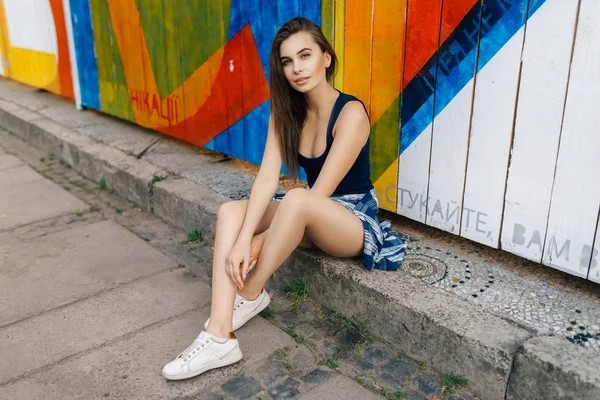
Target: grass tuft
[(158, 178), (454, 382), (297, 291), (101, 183), (193, 236)]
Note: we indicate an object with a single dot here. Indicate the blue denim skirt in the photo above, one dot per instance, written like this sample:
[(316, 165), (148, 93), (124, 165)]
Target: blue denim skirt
[(382, 250)]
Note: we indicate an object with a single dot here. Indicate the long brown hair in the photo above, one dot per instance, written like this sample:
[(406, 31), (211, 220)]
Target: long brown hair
[(288, 107)]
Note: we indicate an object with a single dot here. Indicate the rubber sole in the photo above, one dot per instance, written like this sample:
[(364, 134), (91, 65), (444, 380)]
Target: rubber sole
[(230, 359)]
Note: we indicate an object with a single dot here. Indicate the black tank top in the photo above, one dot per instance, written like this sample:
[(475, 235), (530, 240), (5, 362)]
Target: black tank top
[(358, 178)]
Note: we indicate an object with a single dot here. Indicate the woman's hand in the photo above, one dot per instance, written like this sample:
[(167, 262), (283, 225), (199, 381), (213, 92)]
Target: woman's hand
[(238, 260)]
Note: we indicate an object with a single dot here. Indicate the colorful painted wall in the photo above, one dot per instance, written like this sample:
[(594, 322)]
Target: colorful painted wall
[(34, 48), (484, 112)]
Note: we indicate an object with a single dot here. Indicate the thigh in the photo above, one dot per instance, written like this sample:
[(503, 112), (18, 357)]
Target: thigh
[(332, 227)]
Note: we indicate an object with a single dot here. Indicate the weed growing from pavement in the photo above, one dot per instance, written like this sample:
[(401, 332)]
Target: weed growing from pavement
[(281, 354), (101, 183), (380, 390), (421, 366), (267, 313), (129, 152), (79, 214), (158, 178), (297, 291), (118, 210), (454, 382), (346, 324), (64, 163), (193, 236), (330, 362), (401, 355)]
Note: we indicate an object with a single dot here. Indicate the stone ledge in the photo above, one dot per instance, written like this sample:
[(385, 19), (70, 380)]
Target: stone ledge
[(427, 324), (552, 368)]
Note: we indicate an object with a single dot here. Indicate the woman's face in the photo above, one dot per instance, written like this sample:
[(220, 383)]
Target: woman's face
[(303, 61)]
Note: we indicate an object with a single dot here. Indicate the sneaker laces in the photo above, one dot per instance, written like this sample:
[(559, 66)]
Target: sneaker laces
[(202, 340)]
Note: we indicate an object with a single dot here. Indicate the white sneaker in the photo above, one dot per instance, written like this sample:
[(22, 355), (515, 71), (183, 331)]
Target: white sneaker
[(244, 310), (206, 353)]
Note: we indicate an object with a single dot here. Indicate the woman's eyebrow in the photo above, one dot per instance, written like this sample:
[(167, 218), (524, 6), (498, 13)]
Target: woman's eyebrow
[(306, 48)]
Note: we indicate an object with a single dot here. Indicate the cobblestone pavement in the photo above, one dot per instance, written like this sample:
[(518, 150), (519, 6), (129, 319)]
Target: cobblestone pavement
[(329, 356)]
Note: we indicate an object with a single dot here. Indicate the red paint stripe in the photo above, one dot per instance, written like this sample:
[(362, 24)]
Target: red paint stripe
[(233, 94), (423, 30)]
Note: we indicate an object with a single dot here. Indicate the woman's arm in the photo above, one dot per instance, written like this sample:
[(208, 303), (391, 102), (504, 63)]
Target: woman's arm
[(264, 186), (352, 132)]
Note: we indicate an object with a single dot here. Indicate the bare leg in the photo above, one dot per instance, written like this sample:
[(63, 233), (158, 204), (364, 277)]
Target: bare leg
[(330, 226), (230, 218)]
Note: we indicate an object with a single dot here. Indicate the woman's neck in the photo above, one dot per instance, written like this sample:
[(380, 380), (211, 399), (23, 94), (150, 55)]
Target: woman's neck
[(320, 98)]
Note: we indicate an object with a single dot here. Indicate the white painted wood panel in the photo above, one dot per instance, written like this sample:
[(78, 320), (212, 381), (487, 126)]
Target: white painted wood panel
[(491, 133), (413, 175), (546, 60), (594, 273), (30, 25), (448, 161), (576, 191)]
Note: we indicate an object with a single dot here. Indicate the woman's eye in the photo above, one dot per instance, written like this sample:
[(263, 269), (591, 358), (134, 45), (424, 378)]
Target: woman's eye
[(285, 63), (306, 55)]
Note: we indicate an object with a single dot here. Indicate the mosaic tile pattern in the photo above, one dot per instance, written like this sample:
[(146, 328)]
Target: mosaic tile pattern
[(532, 304)]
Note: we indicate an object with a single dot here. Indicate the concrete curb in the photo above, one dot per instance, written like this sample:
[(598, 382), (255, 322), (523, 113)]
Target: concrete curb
[(448, 332), (551, 368)]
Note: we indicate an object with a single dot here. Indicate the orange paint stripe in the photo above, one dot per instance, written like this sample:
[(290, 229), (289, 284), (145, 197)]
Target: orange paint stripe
[(357, 53), (453, 12), (423, 29), (64, 63), (388, 52)]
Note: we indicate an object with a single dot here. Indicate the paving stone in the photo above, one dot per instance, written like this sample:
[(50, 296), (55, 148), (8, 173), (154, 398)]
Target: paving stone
[(428, 384), (315, 377), (399, 370), (271, 372), (242, 387), (459, 396), (360, 364), (286, 390), (375, 355)]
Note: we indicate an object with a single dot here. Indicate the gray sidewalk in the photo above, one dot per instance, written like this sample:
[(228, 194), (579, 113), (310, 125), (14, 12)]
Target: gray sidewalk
[(89, 309), (515, 329)]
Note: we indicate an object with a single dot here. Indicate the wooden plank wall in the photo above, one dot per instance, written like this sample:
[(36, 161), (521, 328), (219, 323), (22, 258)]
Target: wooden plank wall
[(483, 112)]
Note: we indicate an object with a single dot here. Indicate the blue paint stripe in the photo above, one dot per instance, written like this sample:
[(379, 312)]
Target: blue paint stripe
[(502, 19), (85, 56)]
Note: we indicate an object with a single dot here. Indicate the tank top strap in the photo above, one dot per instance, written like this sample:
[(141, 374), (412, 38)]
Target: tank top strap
[(340, 102)]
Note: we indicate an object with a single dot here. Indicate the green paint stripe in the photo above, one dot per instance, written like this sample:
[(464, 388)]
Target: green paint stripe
[(327, 19), (185, 32), (114, 94), (385, 143)]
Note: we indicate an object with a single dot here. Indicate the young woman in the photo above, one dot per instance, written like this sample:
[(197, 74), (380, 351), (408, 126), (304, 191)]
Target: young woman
[(326, 132)]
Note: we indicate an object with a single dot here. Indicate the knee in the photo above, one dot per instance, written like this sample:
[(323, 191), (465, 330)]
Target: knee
[(295, 200), (231, 209)]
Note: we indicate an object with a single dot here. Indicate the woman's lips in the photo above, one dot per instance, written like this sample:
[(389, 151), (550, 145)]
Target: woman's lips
[(301, 81)]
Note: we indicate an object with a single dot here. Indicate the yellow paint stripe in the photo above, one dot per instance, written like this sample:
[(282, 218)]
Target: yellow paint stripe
[(387, 183), (388, 54), (339, 42), (357, 63), (4, 41), (35, 68)]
